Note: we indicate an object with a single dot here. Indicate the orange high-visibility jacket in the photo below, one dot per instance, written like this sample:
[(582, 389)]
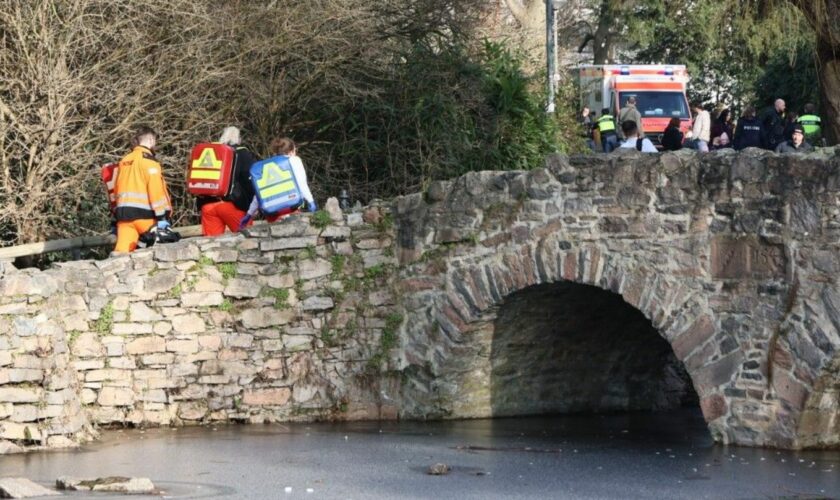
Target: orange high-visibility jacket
[(141, 191)]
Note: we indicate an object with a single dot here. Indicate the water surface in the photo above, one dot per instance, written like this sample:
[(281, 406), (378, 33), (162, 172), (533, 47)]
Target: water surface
[(620, 456)]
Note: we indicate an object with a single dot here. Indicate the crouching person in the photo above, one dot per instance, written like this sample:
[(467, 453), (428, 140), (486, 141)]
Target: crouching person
[(142, 201), (218, 214), (280, 184)]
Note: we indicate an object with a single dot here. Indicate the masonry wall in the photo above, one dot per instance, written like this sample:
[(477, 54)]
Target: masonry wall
[(400, 309), (292, 322)]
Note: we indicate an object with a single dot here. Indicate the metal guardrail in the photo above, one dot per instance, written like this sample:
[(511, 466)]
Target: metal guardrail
[(79, 242)]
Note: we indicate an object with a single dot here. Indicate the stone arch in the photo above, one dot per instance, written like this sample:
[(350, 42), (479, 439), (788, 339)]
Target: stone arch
[(463, 311)]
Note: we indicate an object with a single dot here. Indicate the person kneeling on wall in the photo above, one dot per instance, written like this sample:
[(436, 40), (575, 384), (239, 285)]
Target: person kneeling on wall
[(280, 184), (227, 212)]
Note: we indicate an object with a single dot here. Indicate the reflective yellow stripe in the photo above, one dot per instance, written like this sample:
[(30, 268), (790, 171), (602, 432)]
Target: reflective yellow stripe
[(206, 174), (277, 189), (271, 174), (207, 159)]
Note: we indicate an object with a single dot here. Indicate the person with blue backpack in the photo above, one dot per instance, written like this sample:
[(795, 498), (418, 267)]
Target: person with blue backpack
[(280, 184)]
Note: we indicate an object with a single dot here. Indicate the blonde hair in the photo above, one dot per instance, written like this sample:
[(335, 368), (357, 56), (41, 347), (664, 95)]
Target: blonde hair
[(230, 136)]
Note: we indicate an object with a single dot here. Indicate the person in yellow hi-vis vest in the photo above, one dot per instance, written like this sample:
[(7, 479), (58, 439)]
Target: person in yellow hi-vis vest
[(142, 199)]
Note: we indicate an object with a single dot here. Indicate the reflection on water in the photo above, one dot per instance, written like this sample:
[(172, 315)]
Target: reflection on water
[(640, 455)]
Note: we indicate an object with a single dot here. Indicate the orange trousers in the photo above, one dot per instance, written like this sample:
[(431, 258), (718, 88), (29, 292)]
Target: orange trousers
[(128, 233), (218, 215)]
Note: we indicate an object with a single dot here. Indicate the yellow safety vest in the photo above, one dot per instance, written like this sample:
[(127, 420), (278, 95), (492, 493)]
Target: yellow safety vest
[(606, 124), (810, 124)]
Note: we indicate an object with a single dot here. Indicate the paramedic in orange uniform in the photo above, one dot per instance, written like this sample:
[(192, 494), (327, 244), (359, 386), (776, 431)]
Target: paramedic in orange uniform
[(216, 214), (142, 198)]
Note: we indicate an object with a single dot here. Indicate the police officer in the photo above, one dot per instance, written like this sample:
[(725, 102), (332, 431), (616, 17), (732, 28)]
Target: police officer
[(810, 124), (606, 128)]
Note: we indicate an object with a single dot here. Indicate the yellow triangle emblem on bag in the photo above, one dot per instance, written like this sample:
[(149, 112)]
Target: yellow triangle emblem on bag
[(207, 160)]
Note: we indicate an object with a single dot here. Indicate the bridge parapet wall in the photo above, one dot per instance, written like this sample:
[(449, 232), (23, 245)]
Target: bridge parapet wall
[(392, 311), (733, 258)]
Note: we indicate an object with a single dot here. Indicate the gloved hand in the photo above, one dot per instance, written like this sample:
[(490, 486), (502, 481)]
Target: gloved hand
[(163, 224), (113, 227), (243, 222), (313, 207)]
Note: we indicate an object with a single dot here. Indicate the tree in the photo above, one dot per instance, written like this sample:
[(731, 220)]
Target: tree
[(824, 18)]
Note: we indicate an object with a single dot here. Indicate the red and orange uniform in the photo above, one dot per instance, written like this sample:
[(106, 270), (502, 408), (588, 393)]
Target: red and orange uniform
[(142, 198)]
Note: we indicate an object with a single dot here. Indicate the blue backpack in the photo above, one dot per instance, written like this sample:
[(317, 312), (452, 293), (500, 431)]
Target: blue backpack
[(275, 184)]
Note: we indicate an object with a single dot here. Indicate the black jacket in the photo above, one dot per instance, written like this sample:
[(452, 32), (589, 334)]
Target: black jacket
[(772, 128), (672, 139), (243, 189), (748, 133)]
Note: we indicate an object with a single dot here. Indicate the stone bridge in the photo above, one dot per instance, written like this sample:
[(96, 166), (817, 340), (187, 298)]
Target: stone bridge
[(596, 284)]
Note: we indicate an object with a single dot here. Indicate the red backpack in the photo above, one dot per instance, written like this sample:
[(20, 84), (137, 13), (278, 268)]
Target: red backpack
[(211, 170), (109, 178)]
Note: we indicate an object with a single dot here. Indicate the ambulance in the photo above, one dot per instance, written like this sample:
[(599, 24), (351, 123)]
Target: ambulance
[(659, 90)]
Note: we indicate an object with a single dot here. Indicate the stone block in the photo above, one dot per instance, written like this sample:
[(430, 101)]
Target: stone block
[(317, 304), (18, 375), (243, 288), (176, 252), (182, 346), (288, 243), (21, 394), (131, 328), (279, 280), (746, 258), (123, 363), (88, 364), (8, 448), (28, 284), (713, 407), (24, 413), (339, 233), (108, 374), (207, 285), (140, 312), (5, 358), (311, 269), (115, 396), (272, 345), (222, 255), (355, 219), (694, 336), (210, 342), (20, 487), (267, 397), (332, 207), (153, 396), (265, 317), (158, 359), (87, 345), (296, 343), (162, 281), (242, 340), (125, 485), (146, 345), (162, 328), (20, 431), (188, 324), (14, 308), (201, 299)]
